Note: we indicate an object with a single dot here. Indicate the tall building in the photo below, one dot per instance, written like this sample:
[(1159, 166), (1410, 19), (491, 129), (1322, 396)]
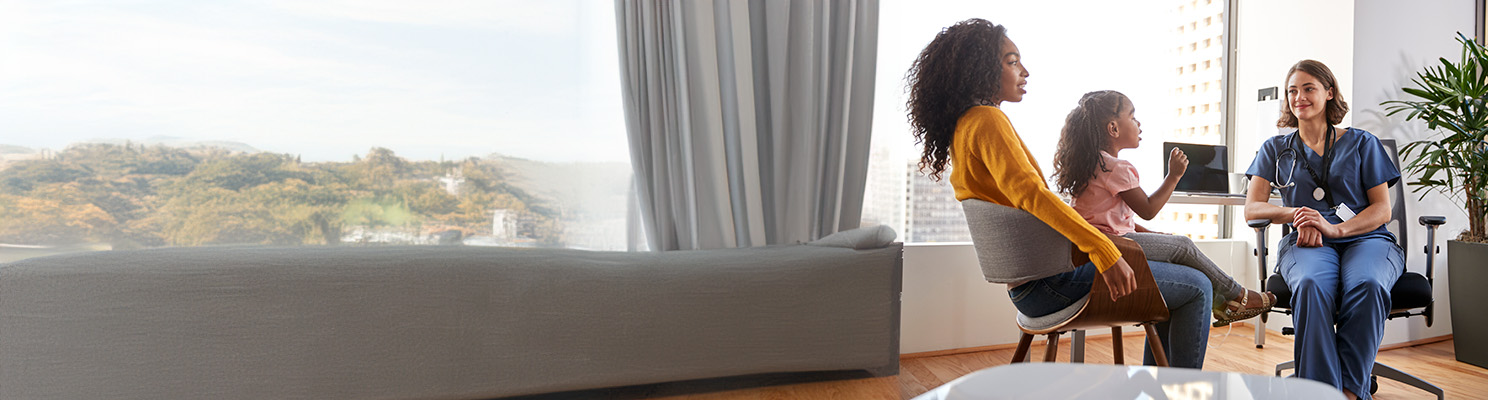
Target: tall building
[(885, 195), (1198, 70), (934, 215)]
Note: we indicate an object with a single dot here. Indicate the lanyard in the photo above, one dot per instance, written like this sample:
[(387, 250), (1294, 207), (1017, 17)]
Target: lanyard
[(1320, 181)]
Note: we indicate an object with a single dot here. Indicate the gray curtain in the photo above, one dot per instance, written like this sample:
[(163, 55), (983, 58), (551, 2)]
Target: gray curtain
[(749, 120)]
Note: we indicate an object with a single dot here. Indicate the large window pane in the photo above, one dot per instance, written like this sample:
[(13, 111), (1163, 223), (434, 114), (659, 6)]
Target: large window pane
[(180, 123), (1165, 55)]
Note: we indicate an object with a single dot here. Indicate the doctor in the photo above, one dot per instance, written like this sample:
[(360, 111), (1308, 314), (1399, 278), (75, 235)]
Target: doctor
[(1340, 261)]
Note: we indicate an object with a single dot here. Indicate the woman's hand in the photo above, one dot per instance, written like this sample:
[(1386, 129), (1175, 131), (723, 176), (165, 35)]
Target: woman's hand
[(1311, 226), (1304, 217), (1120, 279), (1309, 237)]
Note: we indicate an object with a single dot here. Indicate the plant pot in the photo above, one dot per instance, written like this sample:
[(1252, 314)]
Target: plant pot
[(1467, 270)]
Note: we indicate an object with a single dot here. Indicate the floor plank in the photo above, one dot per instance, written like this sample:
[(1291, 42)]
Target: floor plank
[(1235, 352)]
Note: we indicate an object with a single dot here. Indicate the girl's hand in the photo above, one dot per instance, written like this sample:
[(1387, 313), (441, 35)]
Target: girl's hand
[(1177, 163)]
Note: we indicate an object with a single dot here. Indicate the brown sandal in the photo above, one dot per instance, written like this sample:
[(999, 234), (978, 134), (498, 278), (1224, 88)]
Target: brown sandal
[(1242, 310)]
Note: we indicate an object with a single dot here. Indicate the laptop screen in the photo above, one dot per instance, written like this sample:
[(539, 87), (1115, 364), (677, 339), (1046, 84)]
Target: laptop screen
[(1208, 168)]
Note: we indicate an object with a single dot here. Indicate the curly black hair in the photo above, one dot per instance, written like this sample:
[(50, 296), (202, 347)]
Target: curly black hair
[(956, 71), (1083, 138)]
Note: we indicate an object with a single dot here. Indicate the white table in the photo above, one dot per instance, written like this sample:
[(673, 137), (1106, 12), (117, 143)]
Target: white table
[(1092, 381)]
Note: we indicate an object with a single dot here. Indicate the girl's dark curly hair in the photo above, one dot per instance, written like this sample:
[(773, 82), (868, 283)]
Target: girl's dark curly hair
[(1083, 138), (957, 70)]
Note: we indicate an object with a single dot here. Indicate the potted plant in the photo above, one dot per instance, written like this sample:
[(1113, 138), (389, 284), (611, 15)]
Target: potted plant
[(1454, 101)]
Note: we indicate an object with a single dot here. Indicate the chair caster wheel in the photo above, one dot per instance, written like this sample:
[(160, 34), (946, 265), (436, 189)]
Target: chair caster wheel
[(1373, 384)]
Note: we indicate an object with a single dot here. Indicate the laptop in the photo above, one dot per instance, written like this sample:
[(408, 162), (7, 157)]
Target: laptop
[(1208, 169)]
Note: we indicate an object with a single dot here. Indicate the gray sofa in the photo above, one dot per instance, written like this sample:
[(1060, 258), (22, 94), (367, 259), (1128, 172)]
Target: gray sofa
[(436, 322)]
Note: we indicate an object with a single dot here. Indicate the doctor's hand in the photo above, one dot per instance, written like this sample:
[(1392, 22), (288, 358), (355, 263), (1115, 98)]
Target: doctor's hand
[(1304, 217), (1309, 237), (1120, 279)]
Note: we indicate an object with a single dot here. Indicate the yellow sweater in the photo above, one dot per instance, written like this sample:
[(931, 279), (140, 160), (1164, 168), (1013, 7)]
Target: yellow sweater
[(989, 162)]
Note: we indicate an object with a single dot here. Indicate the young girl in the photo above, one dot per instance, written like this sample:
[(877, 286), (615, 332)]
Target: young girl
[(1106, 193)]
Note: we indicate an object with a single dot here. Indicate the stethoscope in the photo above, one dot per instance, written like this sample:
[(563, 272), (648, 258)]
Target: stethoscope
[(1321, 192)]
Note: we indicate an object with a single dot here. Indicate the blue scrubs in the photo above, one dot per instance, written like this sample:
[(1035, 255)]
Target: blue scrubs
[(1340, 291)]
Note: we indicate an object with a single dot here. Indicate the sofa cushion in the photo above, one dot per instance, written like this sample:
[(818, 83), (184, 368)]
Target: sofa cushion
[(872, 237)]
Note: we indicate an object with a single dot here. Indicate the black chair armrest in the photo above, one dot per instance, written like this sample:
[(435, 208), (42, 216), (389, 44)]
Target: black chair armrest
[(1260, 223), (1433, 220)]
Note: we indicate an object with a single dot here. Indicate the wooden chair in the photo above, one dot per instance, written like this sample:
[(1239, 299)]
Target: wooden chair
[(1014, 246)]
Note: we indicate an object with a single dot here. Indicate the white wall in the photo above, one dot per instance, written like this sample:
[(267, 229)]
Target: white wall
[(1270, 36), (1393, 40), (946, 304)]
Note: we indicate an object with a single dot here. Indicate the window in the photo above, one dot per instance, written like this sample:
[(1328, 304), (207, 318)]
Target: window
[(290, 123), (1056, 83)]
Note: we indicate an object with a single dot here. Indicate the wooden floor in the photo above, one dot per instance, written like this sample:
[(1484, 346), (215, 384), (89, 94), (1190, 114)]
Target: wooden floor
[(1433, 362)]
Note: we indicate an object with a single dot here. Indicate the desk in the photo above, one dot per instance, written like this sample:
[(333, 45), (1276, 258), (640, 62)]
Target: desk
[(1091, 381), (1218, 199)]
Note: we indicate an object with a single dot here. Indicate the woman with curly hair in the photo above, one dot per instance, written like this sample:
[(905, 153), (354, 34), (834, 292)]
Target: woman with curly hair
[(956, 87)]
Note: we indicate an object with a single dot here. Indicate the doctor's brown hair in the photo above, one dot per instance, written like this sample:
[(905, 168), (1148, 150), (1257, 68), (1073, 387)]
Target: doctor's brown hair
[(1335, 109)]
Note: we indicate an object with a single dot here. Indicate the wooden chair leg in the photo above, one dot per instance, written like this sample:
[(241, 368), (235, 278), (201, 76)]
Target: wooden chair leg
[(1155, 344), (1116, 345), (1021, 354), (1052, 349)]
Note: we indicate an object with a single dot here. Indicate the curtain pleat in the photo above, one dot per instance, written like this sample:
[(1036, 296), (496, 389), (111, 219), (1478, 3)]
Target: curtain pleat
[(748, 120)]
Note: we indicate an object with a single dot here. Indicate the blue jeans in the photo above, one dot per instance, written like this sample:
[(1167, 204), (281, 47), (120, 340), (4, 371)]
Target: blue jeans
[(1340, 297), (1188, 293)]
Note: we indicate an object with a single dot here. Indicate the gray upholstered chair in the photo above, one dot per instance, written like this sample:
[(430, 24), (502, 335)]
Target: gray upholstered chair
[(1014, 246), (1409, 297)]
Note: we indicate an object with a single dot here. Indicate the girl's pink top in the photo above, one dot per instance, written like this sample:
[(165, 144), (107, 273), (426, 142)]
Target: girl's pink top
[(1101, 203)]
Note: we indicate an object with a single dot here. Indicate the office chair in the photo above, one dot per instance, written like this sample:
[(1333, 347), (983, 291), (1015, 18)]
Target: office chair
[(1410, 296), (1013, 245)]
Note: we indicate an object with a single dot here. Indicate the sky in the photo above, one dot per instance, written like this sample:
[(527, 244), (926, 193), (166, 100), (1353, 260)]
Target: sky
[(325, 79), (450, 79)]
